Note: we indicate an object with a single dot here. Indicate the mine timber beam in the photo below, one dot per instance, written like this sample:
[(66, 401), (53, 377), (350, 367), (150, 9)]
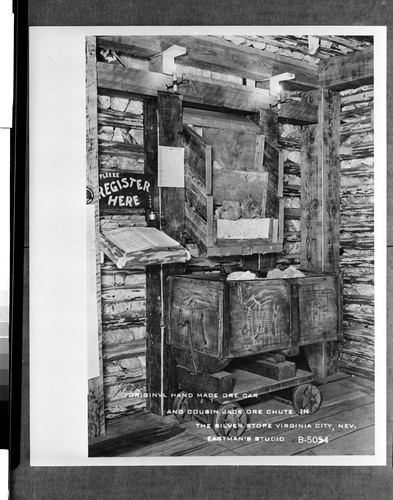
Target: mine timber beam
[(219, 55), (350, 71)]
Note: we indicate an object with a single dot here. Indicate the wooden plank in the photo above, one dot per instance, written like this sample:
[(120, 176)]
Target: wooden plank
[(267, 119), (208, 169), (113, 118), (246, 384), (281, 222), (280, 193), (195, 151), (150, 137), (215, 119), (322, 358), (124, 350), (195, 193), (243, 247), (196, 226), (359, 442), (120, 148), (211, 236), (259, 153), (121, 81), (259, 317), (269, 369), (219, 55), (298, 113), (244, 229), (194, 308), (160, 364), (361, 417), (170, 134), (216, 383), (238, 185), (96, 417), (232, 149), (350, 71), (319, 309), (320, 186)]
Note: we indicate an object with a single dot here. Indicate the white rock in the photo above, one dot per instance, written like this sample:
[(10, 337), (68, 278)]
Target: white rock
[(105, 133), (135, 107), (259, 45), (118, 135), (104, 102), (271, 48), (137, 135), (119, 104)]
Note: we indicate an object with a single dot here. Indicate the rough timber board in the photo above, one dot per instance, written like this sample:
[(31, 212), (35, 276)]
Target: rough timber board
[(244, 229), (218, 55), (246, 384), (96, 388), (122, 81)]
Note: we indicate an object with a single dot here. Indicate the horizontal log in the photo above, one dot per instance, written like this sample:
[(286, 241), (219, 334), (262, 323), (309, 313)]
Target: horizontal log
[(214, 119), (120, 149), (112, 118), (350, 71), (123, 334), (289, 143), (123, 81), (124, 350), (136, 162), (122, 389), (124, 310), (215, 54), (120, 294), (122, 408), (115, 278), (243, 247), (297, 112)]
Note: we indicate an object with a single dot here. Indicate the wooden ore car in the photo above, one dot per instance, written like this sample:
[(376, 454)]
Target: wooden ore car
[(212, 321)]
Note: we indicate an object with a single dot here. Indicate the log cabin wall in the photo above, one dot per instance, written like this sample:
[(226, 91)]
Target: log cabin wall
[(123, 292), (290, 144), (357, 231)]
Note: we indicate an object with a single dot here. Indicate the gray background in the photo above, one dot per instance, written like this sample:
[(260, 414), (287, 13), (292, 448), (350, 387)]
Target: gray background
[(207, 482)]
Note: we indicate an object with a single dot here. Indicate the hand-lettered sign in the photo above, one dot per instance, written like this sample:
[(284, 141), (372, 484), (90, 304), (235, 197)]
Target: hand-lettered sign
[(121, 191)]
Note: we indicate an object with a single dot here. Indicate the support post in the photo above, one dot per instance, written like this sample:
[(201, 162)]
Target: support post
[(96, 417), (160, 364), (320, 217)]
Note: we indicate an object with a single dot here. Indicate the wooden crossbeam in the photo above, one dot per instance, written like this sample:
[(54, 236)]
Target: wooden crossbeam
[(350, 71), (219, 55), (120, 80)]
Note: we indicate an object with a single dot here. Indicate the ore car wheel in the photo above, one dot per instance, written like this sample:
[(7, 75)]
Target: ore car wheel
[(306, 399), (180, 406), (230, 421)]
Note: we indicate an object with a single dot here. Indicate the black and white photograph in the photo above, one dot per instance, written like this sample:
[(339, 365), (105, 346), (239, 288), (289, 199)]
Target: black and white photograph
[(220, 257), (234, 289)]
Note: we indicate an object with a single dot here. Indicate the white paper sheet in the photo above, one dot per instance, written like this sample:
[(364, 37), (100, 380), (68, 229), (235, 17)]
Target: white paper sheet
[(170, 167)]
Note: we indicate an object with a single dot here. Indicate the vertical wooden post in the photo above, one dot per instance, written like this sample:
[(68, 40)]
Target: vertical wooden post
[(320, 217), (170, 109), (268, 122), (320, 186), (96, 416), (160, 364)]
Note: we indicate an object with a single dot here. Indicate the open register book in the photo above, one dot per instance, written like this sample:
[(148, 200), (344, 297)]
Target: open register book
[(136, 246)]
